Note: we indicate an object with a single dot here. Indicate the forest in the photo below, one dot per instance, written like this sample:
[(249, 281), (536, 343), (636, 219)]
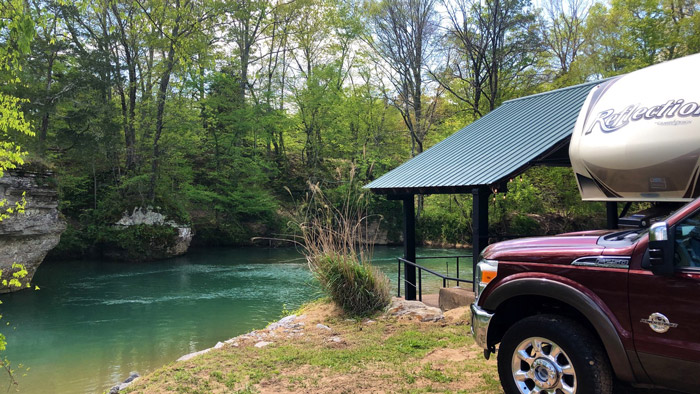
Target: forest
[(220, 113)]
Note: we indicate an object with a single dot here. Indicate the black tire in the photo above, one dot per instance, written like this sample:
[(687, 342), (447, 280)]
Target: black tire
[(580, 352)]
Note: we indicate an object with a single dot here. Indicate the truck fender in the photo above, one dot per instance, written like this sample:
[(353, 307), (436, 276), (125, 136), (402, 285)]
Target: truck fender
[(577, 300)]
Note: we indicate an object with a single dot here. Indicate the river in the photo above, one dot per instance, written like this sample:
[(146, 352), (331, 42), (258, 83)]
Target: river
[(92, 322)]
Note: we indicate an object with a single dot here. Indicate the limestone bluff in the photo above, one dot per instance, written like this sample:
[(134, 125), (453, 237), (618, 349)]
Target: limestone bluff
[(26, 238)]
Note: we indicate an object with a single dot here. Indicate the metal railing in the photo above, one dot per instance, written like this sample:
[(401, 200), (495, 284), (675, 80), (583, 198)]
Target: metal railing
[(445, 277)]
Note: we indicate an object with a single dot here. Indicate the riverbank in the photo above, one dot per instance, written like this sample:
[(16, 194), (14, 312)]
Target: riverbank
[(320, 351)]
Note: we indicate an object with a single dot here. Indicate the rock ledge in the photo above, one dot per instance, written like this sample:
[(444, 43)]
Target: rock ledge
[(28, 237)]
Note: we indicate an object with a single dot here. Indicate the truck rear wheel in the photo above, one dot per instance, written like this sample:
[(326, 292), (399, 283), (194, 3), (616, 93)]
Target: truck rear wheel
[(548, 354)]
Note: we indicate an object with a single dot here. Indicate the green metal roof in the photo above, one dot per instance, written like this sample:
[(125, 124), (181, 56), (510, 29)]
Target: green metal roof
[(504, 143)]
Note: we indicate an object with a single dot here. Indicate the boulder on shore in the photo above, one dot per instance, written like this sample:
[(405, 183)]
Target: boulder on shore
[(27, 237), (134, 376), (145, 235), (413, 310)]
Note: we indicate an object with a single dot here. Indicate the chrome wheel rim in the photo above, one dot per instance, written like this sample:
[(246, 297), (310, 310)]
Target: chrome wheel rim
[(540, 366)]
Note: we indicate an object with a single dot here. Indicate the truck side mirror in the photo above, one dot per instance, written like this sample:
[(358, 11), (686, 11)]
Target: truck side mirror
[(660, 249)]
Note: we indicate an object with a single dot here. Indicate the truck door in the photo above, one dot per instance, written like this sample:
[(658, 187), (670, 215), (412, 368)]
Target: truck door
[(665, 312)]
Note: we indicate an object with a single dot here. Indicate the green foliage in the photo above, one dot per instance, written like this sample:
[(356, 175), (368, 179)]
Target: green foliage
[(544, 200), (76, 242), (140, 242), (16, 34), (140, 104), (521, 224), (15, 278), (446, 219), (626, 35), (16, 208)]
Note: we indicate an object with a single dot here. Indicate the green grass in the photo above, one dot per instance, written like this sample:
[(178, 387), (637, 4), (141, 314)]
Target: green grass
[(398, 356), (435, 375)]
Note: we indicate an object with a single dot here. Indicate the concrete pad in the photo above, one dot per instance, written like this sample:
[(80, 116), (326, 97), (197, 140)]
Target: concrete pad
[(455, 297)]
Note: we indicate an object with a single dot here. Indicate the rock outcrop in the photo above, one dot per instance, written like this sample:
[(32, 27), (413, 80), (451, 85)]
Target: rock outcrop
[(27, 237), (413, 310), (155, 244)]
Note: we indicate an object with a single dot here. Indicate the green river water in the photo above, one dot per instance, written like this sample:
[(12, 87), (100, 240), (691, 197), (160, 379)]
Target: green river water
[(93, 322)]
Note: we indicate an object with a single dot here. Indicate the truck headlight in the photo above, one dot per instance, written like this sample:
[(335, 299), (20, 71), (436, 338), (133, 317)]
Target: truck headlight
[(486, 271)]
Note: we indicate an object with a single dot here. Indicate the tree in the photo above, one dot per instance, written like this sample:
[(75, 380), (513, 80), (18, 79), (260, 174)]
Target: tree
[(494, 50), (405, 34), (273, 81), (128, 26), (197, 107), (246, 25), (106, 46), (16, 34), (324, 37), (181, 26), (563, 31), (631, 34), (47, 46)]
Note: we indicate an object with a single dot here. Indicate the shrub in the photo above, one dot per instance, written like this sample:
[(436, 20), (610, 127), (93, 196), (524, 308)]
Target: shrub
[(138, 243), (359, 288), (75, 242)]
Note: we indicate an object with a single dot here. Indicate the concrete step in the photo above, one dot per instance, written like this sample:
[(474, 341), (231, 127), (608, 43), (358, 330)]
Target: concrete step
[(449, 298), (454, 297)]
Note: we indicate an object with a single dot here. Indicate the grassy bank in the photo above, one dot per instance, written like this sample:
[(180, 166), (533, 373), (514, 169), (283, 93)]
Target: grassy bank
[(385, 354)]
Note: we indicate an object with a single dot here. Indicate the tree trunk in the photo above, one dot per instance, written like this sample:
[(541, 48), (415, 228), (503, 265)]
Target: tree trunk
[(130, 111), (162, 93), (43, 131)]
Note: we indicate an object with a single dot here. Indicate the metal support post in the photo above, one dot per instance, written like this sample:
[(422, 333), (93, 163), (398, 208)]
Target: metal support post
[(480, 225), (409, 246)]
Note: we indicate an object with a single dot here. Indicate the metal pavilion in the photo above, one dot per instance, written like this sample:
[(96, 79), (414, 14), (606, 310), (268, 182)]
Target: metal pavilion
[(482, 157)]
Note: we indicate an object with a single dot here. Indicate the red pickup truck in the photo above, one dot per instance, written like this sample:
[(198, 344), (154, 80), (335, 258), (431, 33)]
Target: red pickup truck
[(572, 313)]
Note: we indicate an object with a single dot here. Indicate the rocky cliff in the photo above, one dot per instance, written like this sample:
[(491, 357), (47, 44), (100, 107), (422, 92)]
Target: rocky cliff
[(26, 238)]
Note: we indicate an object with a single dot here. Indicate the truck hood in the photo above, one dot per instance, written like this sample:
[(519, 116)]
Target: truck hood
[(562, 249)]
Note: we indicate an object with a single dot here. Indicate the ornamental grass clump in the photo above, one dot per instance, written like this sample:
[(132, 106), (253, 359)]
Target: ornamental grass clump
[(359, 288), (338, 248)]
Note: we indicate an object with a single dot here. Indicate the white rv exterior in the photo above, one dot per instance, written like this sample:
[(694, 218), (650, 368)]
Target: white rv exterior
[(637, 137)]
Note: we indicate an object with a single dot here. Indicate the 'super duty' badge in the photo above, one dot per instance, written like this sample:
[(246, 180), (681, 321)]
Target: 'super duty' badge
[(659, 323)]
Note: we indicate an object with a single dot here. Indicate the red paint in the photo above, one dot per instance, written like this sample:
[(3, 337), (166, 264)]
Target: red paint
[(596, 233), (625, 295), (551, 250)]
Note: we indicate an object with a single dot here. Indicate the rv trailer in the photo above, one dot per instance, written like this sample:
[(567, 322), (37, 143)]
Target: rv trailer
[(637, 137)]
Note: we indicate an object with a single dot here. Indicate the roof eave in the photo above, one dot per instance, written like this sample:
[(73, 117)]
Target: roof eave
[(408, 191)]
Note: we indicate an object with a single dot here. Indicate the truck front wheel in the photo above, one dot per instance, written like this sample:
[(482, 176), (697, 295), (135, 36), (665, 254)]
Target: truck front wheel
[(553, 355)]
